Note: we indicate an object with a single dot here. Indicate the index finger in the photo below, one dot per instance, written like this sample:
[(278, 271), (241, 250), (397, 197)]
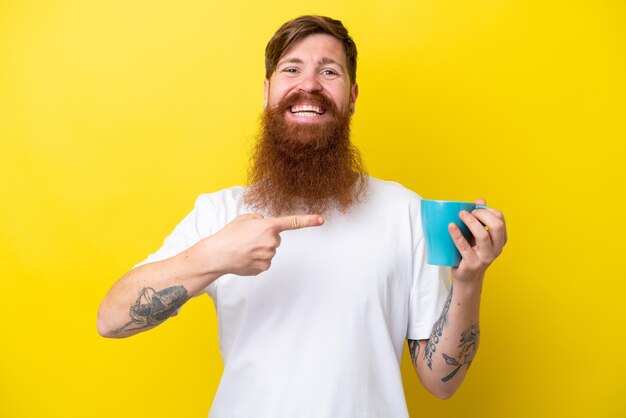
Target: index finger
[(491, 210), (291, 222), (483, 202)]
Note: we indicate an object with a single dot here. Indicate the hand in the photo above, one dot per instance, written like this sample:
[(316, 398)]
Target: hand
[(485, 246), (247, 244)]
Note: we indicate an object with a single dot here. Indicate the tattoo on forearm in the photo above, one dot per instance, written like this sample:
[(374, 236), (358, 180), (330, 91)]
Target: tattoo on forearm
[(431, 346), (468, 347), (414, 348), (152, 307)]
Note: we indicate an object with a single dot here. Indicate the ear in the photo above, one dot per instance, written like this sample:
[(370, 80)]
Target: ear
[(266, 92), (354, 93)]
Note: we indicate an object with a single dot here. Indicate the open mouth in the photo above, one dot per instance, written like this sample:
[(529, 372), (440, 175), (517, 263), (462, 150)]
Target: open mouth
[(307, 110)]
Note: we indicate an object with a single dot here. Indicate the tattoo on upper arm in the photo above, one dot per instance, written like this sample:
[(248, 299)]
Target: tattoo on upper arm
[(468, 347), (152, 307), (431, 346), (414, 348)]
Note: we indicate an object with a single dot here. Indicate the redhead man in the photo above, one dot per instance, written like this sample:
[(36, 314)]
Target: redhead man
[(341, 279)]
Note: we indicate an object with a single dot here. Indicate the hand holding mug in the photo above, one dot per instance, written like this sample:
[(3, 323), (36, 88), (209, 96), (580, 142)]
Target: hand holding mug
[(488, 228), (455, 233)]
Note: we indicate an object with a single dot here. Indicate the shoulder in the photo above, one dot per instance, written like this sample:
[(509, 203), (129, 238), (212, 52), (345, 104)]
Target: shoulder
[(392, 191), (220, 207), (389, 199), (231, 196), (393, 205)]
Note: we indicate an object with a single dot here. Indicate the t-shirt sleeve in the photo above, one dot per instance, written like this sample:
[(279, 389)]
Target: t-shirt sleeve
[(211, 212), (430, 288), (184, 235)]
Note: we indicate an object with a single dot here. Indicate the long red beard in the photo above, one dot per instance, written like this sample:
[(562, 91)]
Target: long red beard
[(302, 167)]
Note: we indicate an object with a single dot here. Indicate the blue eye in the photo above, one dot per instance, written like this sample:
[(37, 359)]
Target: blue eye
[(329, 73)]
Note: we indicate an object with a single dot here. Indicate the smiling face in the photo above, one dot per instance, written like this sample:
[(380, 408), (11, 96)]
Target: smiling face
[(304, 161), (311, 77)]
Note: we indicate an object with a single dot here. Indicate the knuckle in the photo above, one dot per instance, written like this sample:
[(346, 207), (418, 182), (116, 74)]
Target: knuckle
[(270, 228), (485, 259), (481, 234), (498, 226), (277, 227)]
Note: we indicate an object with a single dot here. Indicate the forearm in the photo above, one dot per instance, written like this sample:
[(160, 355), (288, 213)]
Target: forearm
[(148, 295), (453, 343)]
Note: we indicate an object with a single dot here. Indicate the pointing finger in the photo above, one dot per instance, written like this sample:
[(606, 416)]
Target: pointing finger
[(286, 223)]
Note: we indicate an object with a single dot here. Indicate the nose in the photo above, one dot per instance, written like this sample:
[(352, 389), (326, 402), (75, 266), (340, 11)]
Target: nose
[(310, 83)]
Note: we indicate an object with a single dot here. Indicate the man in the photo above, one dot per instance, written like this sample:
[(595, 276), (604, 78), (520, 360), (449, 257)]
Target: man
[(320, 331)]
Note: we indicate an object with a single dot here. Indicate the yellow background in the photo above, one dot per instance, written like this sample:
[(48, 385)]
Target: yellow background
[(115, 115)]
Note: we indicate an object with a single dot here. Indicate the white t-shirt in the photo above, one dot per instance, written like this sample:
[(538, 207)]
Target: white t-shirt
[(321, 333)]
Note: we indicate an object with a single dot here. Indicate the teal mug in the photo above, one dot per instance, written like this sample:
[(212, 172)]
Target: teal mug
[(436, 216)]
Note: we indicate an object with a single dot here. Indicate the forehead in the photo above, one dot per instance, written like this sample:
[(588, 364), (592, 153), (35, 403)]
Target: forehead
[(320, 47)]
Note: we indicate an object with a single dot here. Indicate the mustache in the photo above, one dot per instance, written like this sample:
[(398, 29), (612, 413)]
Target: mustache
[(314, 98)]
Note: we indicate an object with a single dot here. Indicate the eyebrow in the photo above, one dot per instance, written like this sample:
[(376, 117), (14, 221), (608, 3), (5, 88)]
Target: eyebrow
[(323, 61)]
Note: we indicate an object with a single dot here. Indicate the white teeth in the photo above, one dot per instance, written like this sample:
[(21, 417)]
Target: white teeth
[(306, 109)]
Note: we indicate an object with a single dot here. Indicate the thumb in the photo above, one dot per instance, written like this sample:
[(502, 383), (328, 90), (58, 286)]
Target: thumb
[(286, 223), (459, 240)]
